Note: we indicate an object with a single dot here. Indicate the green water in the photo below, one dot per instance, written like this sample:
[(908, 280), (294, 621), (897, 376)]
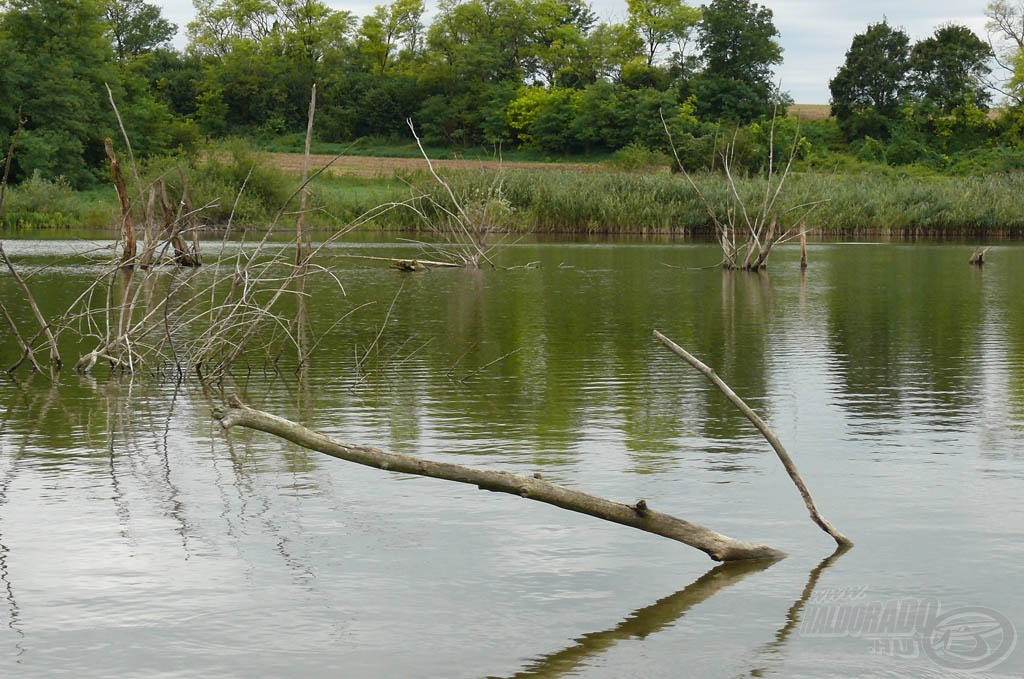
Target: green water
[(136, 539)]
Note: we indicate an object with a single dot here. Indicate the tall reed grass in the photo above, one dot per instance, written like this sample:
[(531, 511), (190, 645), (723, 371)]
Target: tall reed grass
[(856, 204), (233, 185)]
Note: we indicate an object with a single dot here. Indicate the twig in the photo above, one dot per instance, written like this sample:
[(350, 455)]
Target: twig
[(766, 431), (485, 366)]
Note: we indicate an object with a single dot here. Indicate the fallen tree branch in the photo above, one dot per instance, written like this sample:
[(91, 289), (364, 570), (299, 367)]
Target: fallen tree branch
[(408, 264), (719, 547), (26, 351), (43, 324), (768, 434)]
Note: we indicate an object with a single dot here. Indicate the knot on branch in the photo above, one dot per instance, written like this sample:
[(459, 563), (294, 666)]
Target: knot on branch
[(640, 507)]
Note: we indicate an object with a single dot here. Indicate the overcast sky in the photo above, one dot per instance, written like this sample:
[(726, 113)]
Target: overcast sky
[(815, 34)]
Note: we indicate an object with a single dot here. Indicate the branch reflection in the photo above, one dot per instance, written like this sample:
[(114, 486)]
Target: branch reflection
[(643, 622), (772, 650)]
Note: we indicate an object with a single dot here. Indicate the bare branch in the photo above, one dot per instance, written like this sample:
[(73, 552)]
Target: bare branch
[(766, 431)]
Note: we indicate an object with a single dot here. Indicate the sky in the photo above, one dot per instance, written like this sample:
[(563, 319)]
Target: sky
[(814, 34)]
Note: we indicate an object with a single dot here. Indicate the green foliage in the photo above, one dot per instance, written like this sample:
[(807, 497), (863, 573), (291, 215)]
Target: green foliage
[(230, 183), (136, 27), (982, 161), (531, 76), (870, 86), (950, 69), (661, 24), (739, 45), (543, 118), (926, 101), (61, 60), (59, 63), (636, 157), (38, 202), (870, 150)]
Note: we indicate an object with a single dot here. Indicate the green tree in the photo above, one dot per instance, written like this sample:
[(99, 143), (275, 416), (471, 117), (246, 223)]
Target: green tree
[(871, 86), (479, 53), (949, 69), (260, 61), (390, 30), (55, 60), (1006, 29), (559, 48), (662, 24), (219, 24), (609, 47), (739, 47), (137, 27)]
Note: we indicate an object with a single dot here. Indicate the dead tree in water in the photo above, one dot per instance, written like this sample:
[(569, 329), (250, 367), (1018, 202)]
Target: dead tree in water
[(746, 229), (128, 241), (719, 547), (172, 231)]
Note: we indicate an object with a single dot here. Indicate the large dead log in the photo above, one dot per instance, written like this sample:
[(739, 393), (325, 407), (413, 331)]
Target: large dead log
[(719, 547)]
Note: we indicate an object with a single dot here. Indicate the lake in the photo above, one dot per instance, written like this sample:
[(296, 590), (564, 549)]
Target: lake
[(138, 539)]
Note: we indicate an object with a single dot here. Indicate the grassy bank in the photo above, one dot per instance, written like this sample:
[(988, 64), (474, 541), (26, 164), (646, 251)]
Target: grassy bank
[(550, 200)]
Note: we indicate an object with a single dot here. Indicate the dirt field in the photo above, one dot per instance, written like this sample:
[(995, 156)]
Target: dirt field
[(810, 111), (369, 166)]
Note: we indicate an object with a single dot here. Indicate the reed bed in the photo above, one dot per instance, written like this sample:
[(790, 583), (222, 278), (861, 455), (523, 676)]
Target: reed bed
[(575, 202), (853, 204)]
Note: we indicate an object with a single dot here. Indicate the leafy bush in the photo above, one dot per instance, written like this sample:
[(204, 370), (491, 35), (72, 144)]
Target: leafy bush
[(50, 203), (638, 157)]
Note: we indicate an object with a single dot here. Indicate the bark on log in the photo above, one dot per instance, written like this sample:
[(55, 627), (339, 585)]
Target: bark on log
[(768, 434), (719, 547)]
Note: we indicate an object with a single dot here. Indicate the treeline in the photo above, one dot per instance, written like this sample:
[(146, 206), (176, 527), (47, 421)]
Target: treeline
[(539, 74)]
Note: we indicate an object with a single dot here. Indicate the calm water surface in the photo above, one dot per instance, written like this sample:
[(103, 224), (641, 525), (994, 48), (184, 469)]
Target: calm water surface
[(136, 539)]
